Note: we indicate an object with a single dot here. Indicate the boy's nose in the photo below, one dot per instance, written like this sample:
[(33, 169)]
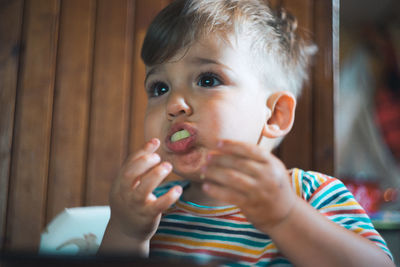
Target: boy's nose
[(177, 105)]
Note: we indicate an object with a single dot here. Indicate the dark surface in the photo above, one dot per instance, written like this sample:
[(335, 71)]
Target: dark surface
[(24, 259)]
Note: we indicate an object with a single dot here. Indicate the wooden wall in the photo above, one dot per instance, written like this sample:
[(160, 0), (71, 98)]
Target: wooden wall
[(72, 104)]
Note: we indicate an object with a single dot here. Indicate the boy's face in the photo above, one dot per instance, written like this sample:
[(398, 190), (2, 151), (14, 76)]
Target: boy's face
[(201, 96)]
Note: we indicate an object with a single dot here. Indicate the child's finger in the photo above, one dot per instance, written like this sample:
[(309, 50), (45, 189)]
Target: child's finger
[(244, 165), (243, 149), (150, 147), (138, 163), (166, 200), (231, 178), (153, 178), (132, 172)]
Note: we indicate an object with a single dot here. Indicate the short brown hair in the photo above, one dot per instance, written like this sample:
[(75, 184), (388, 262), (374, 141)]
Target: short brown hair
[(273, 36)]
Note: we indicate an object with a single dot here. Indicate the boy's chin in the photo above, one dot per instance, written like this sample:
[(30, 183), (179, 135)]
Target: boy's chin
[(188, 165)]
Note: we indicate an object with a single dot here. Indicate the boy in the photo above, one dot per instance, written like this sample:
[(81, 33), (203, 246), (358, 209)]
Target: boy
[(221, 78)]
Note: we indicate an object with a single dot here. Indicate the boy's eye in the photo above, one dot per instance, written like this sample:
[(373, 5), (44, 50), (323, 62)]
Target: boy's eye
[(208, 80), (158, 89)]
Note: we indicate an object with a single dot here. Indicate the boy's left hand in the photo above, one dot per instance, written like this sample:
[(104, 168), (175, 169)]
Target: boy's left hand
[(252, 179)]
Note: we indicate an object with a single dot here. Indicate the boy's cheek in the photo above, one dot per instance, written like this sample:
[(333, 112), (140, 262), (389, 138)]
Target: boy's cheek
[(152, 126)]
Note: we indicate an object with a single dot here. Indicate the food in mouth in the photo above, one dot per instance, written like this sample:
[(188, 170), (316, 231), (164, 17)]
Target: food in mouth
[(182, 138), (182, 134)]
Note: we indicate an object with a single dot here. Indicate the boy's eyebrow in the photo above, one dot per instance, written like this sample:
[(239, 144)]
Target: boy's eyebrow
[(204, 61), (195, 60), (151, 72)]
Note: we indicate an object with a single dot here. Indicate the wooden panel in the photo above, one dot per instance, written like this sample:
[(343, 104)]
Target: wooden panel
[(70, 157), (323, 90), (145, 12), (71, 106), (296, 149), (110, 95), (32, 126), (10, 31), (274, 3)]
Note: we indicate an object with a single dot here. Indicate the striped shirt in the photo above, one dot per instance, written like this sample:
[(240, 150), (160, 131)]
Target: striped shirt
[(222, 234)]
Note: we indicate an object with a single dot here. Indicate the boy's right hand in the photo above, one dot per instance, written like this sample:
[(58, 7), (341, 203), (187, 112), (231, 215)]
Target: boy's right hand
[(135, 210)]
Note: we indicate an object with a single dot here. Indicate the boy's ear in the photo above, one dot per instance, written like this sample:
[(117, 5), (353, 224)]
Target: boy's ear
[(282, 106)]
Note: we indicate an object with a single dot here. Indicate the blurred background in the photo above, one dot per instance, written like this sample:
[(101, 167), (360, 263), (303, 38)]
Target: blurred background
[(367, 110)]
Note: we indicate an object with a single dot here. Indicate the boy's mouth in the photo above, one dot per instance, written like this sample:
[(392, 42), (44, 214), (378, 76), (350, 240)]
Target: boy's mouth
[(181, 138)]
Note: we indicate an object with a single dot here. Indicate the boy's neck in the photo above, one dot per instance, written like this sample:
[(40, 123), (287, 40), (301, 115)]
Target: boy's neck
[(196, 195)]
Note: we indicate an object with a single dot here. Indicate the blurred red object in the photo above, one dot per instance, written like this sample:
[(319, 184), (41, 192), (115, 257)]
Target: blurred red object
[(368, 194)]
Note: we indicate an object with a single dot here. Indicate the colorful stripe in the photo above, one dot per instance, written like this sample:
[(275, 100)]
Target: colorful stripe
[(204, 234), (202, 210)]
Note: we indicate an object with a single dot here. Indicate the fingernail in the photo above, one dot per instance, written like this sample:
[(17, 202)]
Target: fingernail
[(167, 166), (152, 142), (178, 190), (155, 157)]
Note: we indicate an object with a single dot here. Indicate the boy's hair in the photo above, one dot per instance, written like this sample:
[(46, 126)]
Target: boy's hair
[(278, 53)]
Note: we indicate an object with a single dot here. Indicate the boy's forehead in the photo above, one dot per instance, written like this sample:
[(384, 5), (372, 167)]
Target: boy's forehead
[(211, 49)]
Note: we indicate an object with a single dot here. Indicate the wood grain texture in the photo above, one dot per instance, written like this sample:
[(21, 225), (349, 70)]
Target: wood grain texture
[(297, 148), (32, 125), (323, 90), (11, 13), (145, 12), (110, 97), (71, 106)]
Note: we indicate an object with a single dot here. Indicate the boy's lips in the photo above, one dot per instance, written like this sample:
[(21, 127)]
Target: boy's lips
[(183, 145)]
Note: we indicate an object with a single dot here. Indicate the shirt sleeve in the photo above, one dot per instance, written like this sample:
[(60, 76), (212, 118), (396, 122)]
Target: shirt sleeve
[(331, 198)]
